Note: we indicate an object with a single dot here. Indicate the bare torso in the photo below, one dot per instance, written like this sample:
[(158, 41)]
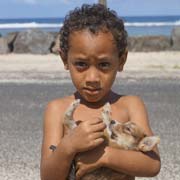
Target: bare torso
[(120, 113)]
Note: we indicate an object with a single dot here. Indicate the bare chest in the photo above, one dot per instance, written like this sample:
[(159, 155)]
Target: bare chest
[(120, 114)]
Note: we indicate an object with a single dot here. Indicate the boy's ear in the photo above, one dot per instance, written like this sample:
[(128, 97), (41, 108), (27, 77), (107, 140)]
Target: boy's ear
[(64, 59), (122, 60), (148, 143)]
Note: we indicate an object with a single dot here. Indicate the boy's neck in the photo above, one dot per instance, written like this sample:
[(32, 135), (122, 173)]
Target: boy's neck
[(110, 97)]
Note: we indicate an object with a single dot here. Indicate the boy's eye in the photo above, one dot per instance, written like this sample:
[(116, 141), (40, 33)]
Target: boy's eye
[(104, 65), (81, 65)]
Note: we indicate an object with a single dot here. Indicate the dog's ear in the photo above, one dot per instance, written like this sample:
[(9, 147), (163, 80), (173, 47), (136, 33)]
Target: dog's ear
[(106, 114), (68, 115), (148, 143)]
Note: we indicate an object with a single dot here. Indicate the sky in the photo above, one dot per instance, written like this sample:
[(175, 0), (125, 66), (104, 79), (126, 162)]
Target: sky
[(59, 8)]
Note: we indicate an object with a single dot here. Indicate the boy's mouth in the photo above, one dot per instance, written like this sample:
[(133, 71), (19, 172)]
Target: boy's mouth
[(92, 91)]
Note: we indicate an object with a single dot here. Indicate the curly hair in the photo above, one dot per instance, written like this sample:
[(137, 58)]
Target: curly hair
[(94, 18)]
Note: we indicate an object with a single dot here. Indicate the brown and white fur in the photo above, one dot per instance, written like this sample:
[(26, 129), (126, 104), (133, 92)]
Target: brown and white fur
[(119, 135)]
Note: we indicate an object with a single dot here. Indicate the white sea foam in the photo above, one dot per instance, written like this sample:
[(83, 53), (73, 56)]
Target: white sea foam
[(28, 25), (56, 25), (144, 24)]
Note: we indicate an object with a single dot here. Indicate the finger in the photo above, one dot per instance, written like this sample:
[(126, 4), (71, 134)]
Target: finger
[(79, 174), (77, 166), (98, 127), (95, 120), (97, 135), (97, 142)]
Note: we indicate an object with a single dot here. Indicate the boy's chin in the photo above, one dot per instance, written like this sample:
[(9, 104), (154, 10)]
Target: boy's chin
[(94, 100)]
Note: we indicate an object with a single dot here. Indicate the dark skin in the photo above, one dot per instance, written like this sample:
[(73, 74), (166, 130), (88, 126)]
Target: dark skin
[(93, 62)]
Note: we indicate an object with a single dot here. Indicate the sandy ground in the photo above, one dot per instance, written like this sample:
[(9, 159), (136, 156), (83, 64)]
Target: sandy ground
[(26, 67), (154, 76), (21, 113)]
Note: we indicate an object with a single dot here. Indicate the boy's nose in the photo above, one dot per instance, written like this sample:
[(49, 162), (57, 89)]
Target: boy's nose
[(92, 75)]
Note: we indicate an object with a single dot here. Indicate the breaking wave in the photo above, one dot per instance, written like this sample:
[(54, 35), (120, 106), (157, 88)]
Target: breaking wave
[(56, 25)]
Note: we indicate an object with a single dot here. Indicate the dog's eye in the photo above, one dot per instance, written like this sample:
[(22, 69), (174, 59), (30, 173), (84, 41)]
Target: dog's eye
[(127, 129), (113, 122)]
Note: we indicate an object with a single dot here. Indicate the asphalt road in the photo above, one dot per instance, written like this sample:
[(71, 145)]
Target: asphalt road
[(21, 112)]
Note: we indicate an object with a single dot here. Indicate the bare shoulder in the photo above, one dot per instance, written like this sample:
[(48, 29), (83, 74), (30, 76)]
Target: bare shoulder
[(129, 99), (54, 111), (137, 111), (58, 105), (132, 103)]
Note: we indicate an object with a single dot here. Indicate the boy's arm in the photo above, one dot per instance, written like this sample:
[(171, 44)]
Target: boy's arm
[(87, 135), (133, 163), (54, 164), (130, 162)]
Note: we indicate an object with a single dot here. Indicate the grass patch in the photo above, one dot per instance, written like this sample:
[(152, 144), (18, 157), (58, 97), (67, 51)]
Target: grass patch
[(156, 66), (176, 66)]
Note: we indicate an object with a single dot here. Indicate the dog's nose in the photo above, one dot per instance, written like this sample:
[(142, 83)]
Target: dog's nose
[(113, 122), (78, 122)]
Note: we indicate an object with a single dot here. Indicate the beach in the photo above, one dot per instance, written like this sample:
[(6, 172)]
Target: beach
[(32, 74), (28, 82), (28, 67)]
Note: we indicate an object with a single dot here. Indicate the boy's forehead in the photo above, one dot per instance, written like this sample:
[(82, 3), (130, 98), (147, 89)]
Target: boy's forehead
[(87, 44), (91, 33), (86, 36)]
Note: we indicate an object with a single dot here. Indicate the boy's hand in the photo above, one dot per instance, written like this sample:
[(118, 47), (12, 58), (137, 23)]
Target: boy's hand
[(87, 135), (89, 161)]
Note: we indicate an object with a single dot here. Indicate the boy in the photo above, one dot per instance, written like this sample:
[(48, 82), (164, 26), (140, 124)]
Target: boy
[(93, 47)]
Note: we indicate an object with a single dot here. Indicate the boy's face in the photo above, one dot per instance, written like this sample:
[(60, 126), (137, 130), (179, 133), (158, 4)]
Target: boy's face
[(93, 62)]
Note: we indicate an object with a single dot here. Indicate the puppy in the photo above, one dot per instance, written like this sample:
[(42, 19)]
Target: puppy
[(126, 136)]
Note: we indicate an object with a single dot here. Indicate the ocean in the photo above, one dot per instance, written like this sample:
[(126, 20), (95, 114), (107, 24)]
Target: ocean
[(135, 25)]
